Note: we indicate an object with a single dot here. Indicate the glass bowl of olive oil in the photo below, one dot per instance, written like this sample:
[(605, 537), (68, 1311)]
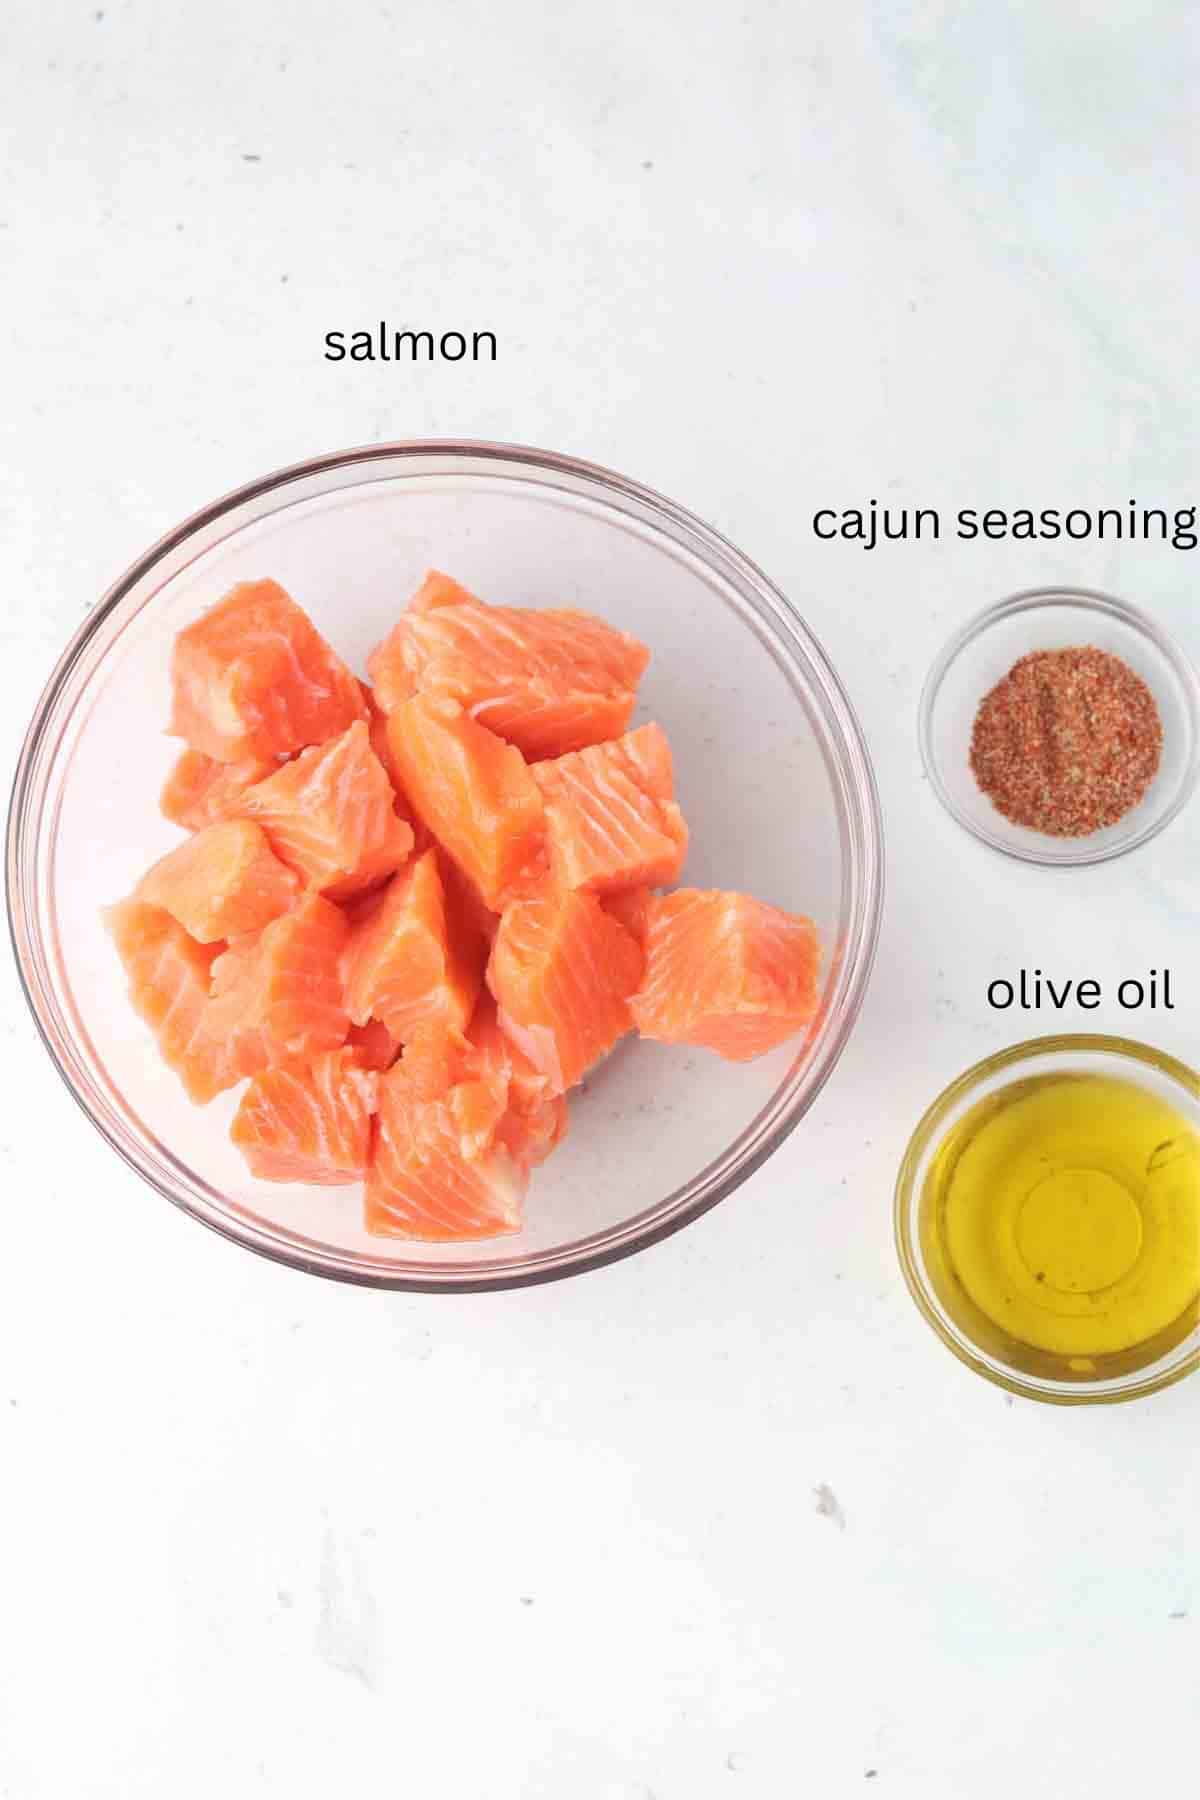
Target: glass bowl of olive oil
[(1048, 1219)]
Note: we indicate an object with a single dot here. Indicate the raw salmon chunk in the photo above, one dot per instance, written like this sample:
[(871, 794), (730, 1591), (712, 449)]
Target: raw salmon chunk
[(725, 971), (548, 682), (278, 996), (611, 818), (223, 881), (169, 975), (437, 1170), (254, 678), (330, 815), (562, 972), (199, 791), (309, 1121), (535, 1117), (402, 966), (473, 792)]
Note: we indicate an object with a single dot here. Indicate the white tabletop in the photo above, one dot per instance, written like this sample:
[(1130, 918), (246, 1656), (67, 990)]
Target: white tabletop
[(724, 1520)]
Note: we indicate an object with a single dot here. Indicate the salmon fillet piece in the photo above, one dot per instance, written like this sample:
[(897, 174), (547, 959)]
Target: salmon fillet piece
[(199, 791), (562, 971), (254, 678), (309, 1121), (473, 792), (277, 996), (546, 681), (169, 975), (330, 815), (727, 972), (402, 964), (611, 818), (437, 1171), (223, 881), (535, 1117)]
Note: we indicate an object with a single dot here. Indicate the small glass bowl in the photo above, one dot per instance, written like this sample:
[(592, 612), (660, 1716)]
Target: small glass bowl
[(983, 652), (1115, 1377)]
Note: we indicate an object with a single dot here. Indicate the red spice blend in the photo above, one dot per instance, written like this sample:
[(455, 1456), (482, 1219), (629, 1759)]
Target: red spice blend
[(1068, 742)]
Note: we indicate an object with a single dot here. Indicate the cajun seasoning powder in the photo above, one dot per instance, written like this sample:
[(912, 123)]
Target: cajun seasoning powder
[(1068, 742)]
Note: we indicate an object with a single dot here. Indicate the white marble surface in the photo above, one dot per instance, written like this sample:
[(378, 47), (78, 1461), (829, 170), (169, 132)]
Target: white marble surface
[(267, 1536)]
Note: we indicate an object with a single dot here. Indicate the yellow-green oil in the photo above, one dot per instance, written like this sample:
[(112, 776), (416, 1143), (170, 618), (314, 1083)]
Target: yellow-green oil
[(1060, 1222)]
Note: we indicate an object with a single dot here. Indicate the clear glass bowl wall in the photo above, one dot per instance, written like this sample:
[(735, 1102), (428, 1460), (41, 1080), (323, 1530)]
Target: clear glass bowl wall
[(772, 771)]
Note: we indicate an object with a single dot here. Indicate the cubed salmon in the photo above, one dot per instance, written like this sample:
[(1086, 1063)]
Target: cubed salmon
[(310, 1121), (199, 791), (169, 975), (473, 793), (330, 815), (727, 972), (547, 681), (278, 996), (223, 881), (562, 971), (413, 915), (437, 1169), (254, 677), (402, 964), (612, 822)]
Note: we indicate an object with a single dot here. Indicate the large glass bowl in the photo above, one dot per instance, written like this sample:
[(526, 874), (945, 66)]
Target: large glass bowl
[(773, 776)]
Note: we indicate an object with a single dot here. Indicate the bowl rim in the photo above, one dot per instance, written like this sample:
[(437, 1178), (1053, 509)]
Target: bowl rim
[(854, 780), (907, 1201), (1087, 600)]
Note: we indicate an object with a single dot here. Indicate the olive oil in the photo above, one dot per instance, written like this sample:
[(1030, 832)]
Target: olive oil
[(1060, 1222)]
